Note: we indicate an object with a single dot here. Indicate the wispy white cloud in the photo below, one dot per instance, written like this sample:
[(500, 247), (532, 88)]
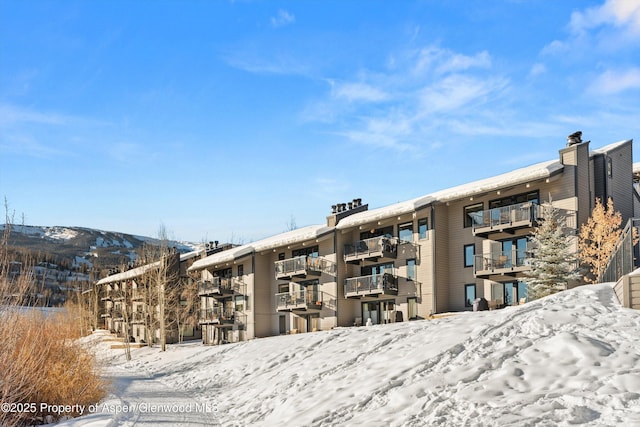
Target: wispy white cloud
[(537, 69), (357, 91), (556, 47), (618, 13), (609, 27), (15, 115), (24, 144), (457, 91), (11, 114), (282, 18), (397, 107), (443, 61), (616, 81), (258, 63)]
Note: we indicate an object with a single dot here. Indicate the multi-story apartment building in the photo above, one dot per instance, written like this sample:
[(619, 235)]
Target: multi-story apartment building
[(285, 283), (130, 301), (432, 254)]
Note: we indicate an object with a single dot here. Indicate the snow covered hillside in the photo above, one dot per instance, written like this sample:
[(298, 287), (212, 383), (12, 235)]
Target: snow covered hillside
[(572, 358)]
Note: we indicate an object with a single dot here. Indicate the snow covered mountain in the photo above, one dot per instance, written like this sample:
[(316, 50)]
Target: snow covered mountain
[(571, 358), (77, 243)]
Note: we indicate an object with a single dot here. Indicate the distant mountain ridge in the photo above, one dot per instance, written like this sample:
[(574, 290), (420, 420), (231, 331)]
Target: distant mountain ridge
[(82, 245)]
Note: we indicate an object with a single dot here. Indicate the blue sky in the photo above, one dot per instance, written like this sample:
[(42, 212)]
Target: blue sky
[(225, 120)]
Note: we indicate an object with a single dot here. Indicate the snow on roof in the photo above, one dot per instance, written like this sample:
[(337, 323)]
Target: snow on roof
[(221, 257), (292, 237), (611, 147), (519, 176), (384, 212), (636, 167), (139, 271), (129, 274), (192, 254)]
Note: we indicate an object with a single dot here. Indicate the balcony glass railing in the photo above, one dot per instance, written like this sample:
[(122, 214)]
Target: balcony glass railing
[(505, 216), (217, 314), (375, 246), (506, 260), (221, 285), (138, 317), (304, 264), (374, 284), (303, 299), (138, 294)]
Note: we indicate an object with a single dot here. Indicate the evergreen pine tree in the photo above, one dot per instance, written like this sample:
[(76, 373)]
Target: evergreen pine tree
[(598, 238), (553, 264)]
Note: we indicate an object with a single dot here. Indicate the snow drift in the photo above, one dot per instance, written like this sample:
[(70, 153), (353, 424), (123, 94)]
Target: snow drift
[(572, 358)]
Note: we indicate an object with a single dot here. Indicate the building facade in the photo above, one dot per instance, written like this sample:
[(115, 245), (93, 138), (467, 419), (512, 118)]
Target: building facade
[(433, 254)]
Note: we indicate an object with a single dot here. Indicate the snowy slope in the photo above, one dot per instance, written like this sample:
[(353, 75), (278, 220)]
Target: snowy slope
[(573, 358)]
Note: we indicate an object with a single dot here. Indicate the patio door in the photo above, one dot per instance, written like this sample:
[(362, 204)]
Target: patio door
[(378, 311), (387, 311), (371, 310)]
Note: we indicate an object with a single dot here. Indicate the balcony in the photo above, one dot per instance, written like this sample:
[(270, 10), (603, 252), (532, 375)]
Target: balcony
[(117, 315), (221, 287), (106, 297), (106, 313), (302, 266), (371, 249), (371, 286), (219, 316), (506, 219), (500, 264), (138, 294), (138, 317), (302, 300)]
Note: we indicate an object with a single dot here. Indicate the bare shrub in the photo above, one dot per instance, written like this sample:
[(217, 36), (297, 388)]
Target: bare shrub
[(41, 360), (42, 363)]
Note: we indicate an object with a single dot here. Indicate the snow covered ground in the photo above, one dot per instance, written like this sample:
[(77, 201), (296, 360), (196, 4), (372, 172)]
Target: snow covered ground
[(573, 358)]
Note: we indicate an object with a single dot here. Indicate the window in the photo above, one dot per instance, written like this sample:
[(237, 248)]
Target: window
[(469, 254), (282, 288), (226, 273), (412, 302), (377, 232), (609, 167), (311, 291), (411, 269), (471, 213), (405, 232), (422, 228), (240, 270), (373, 270), (469, 294), (239, 303), (312, 252), (280, 256), (531, 196)]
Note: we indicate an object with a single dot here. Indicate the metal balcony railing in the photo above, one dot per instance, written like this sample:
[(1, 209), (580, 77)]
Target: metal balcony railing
[(304, 265), (505, 216), (386, 283), (625, 257), (299, 300), (138, 317), (217, 315), (497, 262), (382, 246), (519, 215), (138, 294), (221, 286)]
